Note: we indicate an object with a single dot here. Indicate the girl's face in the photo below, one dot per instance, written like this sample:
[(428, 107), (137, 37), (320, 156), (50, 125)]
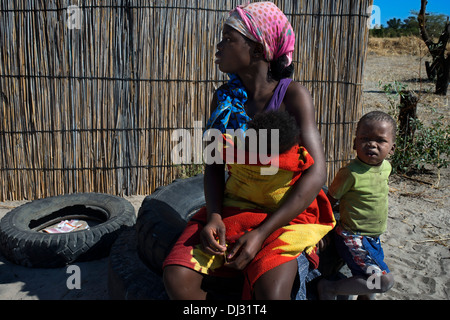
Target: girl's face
[(233, 51), (374, 141)]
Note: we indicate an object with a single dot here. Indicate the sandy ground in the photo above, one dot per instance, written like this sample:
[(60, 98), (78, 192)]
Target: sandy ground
[(416, 244)]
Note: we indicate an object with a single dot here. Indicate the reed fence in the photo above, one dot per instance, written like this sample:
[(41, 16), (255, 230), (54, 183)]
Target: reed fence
[(91, 107)]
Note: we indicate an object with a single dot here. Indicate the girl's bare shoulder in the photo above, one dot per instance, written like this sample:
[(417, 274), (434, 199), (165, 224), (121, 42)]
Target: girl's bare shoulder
[(295, 90), (297, 96)]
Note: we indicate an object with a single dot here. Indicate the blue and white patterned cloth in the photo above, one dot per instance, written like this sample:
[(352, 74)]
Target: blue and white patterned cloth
[(363, 254), (230, 112)]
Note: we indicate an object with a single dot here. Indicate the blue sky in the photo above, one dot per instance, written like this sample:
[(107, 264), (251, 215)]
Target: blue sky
[(401, 9)]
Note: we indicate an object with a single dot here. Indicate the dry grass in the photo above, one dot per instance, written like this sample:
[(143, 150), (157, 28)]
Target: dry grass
[(410, 45), (397, 46)]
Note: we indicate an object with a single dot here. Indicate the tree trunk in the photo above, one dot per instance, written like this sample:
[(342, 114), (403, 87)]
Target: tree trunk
[(431, 70), (407, 114), (440, 66), (443, 76)]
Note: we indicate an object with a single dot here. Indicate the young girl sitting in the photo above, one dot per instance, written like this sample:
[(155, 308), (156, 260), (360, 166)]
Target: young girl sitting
[(263, 240)]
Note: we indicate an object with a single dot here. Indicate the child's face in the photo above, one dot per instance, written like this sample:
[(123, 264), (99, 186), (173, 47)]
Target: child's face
[(374, 141), (233, 52)]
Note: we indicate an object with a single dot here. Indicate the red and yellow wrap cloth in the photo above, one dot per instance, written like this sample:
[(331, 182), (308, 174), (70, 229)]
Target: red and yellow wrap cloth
[(249, 198)]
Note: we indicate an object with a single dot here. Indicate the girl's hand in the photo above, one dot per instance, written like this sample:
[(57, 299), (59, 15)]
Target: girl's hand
[(245, 249), (212, 236)]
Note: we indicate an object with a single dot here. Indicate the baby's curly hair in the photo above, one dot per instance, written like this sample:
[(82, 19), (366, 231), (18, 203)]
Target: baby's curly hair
[(281, 120)]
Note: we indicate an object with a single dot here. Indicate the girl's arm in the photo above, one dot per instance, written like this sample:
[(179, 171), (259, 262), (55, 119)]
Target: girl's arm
[(299, 104), (214, 186)]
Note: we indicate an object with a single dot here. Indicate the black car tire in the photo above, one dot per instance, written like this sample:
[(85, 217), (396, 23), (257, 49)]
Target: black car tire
[(128, 277), (22, 242), (163, 217)]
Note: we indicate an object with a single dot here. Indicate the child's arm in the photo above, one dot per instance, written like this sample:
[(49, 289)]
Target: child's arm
[(331, 199)]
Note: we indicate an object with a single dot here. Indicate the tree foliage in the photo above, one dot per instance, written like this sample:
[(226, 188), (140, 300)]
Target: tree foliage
[(410, 26)]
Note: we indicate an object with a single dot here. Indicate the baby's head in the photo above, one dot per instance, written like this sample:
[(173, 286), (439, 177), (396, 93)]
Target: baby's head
[(287, 128), (375, 137)]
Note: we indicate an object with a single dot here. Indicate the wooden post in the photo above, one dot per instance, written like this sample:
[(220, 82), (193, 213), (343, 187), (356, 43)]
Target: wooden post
[(408, 111)]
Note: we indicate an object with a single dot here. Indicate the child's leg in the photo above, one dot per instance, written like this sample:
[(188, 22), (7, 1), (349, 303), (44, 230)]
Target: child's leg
[(183, 283), (364, 256), (277, 283), (356, 285)]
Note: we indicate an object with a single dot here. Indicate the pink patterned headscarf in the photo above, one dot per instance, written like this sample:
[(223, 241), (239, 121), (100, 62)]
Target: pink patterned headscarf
[(265, 23)]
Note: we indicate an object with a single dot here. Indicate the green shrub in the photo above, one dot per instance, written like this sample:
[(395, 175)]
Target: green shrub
[(428, 148)]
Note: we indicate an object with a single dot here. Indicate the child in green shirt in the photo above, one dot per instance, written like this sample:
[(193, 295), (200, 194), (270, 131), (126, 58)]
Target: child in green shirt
[(362, 188)]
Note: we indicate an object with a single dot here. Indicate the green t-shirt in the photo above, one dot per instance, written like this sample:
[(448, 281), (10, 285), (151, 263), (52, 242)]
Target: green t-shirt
[(363, 193)]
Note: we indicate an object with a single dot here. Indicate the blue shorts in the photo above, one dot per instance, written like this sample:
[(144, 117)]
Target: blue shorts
[(363, 254)]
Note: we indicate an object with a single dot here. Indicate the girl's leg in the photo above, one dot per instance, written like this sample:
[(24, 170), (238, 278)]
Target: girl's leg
[(183, 283), (276, 284)]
